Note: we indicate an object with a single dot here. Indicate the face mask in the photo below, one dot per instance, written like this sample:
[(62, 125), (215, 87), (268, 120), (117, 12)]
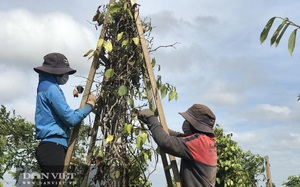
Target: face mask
[(186, 128), (62, 79)]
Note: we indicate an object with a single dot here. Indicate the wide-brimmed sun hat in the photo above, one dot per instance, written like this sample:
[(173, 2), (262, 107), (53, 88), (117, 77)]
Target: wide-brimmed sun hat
[(55, 63), (200, 117)]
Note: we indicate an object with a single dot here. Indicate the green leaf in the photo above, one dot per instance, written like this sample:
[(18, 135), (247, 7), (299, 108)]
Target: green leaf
[(120, 35), (109, 138), (130, 14), (131, 102), (109, 73), (159, 82), (122, 90), (176, 96), (163, 91), (101, 154), (265, 32), (281, 34), (136, 40), (292, 41), (114, 8), (87, 53), (125, 5), (129, 128), (124, 42), (117, 174), (232, 148), (153, 62), (108, 46), (172, 95), (136, 131), (274, 37), (96, 53), (144, 137), (100, 42), (138, 142), (146, 156)]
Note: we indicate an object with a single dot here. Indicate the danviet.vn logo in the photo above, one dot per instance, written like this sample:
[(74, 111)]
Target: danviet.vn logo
[(30, 178)]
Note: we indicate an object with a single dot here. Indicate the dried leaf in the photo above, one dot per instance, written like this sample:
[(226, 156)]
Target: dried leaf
[(91, 132), (87, 53), (75, 93), (79, 89)]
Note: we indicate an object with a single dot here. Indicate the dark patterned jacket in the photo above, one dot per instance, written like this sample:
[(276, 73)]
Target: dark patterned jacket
[(198, 155)]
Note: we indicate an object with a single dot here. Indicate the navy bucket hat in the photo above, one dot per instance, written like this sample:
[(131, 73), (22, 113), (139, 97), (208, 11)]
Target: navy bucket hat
[(56, 64)]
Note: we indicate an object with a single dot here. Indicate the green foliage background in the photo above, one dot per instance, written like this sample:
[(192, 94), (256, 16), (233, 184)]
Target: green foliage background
[(236, 167), (17, 145), (292, 181)]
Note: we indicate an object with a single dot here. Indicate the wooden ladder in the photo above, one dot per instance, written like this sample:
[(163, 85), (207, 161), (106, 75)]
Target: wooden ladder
[(169, 161)]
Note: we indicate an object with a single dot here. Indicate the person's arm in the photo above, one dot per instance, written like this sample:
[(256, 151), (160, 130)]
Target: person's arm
[(67, 115), (170, 144), (175, 133)]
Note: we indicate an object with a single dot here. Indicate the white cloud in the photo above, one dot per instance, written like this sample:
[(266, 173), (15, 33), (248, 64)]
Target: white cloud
[(271, 112), (27, 37), (280, 110), (14, 85), (24, 108), (222, 93), (289, 140), (245, 138)]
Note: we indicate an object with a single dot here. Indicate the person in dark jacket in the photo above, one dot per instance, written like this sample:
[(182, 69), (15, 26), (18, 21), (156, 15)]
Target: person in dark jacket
[(195, 146), (54, 117)]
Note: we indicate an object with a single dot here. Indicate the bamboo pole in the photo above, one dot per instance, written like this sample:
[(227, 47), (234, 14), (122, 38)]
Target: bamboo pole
[(86, 93), (158, 103), (268, 171)]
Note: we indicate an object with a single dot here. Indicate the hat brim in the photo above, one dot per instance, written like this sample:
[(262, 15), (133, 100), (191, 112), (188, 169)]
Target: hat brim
[(200, 126), (55, 71)]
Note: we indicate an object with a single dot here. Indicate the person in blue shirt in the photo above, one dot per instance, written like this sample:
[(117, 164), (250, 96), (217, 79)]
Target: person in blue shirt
[(54, 117)]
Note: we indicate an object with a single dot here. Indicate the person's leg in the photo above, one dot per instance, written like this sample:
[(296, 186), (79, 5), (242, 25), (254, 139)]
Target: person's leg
[(50, 157)]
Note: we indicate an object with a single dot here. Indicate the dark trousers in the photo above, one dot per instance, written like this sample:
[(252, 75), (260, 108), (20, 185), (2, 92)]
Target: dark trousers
[(51, 157)]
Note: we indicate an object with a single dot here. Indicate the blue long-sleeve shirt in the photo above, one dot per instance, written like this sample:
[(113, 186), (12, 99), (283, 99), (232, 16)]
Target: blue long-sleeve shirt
[(53, 116)]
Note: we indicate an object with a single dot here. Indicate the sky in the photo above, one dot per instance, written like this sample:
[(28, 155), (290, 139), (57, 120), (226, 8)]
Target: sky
[(218, 61)]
